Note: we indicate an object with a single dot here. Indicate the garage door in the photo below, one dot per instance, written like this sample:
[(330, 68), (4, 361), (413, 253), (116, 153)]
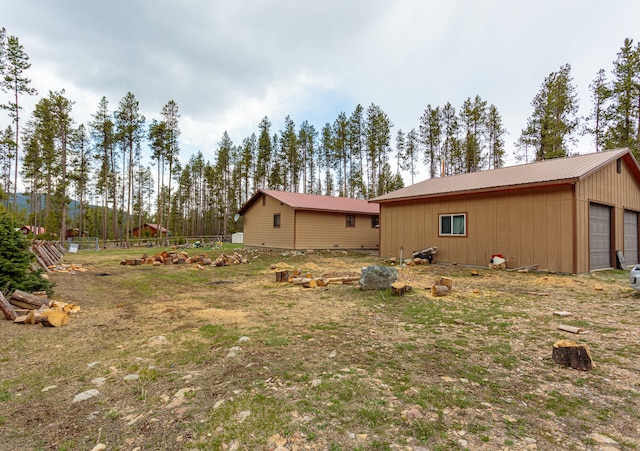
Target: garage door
[(599, 236), (630, 237)]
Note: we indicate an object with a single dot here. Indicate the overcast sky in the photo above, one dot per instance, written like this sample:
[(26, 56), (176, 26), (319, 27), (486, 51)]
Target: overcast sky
[(227, 64)]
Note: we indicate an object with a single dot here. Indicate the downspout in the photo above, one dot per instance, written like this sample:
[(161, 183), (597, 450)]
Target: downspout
[(574, 218), (295, 228)]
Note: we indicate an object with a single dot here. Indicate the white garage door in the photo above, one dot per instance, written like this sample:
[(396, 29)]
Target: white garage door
[(630, 237), (599, 236)]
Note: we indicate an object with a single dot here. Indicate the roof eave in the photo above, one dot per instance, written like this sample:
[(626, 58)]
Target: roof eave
[(570, 181)]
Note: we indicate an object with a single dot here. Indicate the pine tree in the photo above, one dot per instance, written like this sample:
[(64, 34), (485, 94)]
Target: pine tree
[(554, 121), (596, 122), (495, 142), (129, 132), (15, 62), (624, 111), (473, 118), (265, 152), (411, 150), (16, 260), (450, 150), (103, 136), (430, 136)]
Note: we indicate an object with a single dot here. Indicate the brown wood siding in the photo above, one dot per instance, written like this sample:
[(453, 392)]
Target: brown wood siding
[(534, 226), (608, 187), (325, 230), (258, 225)]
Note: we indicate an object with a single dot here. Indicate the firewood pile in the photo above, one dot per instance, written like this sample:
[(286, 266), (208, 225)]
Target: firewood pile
[(36, 308), (183, 258), (47, 253), (307, 280)]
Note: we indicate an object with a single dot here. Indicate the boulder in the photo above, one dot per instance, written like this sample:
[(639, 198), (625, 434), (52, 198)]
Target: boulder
[(377, 277)]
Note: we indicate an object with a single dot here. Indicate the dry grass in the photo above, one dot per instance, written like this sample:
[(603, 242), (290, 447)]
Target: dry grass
[(328, 368)]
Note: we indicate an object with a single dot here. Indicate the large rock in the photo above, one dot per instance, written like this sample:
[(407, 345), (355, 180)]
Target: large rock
[(377, 277)]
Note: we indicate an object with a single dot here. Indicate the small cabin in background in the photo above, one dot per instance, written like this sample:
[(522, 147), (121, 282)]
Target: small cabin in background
[(150, 231)]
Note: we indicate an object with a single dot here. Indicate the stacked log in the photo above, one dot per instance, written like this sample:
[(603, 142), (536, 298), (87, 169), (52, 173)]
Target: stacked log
[(38, 309), (47, 253), (228, 260)]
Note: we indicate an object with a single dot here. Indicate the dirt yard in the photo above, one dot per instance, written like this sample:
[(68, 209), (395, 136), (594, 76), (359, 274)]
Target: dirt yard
[(225, 358)]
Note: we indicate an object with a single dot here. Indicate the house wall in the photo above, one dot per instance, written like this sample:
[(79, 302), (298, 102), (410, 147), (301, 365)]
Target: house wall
[(258, 224), (534, 226), (324, 230), (608, 187)]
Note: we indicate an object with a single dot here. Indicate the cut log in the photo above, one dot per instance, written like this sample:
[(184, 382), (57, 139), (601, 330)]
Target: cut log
[(347, 279), (297, 280), (7, 309), (22, 319), (309, 283), (400, 288), (570, 353), (446, 281), (54, 318), (27, 300), (282, 276), (439, 290), (571, 329), (33, 317)]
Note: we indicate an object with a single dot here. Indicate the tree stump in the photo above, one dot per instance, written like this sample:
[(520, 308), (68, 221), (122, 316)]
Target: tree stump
[(400, 288), (282, 276), (570, 353)]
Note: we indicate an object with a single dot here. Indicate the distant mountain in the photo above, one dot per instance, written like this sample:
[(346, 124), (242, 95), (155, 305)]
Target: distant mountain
[(23, 201)]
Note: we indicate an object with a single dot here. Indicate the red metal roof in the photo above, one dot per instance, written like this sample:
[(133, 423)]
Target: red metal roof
[(301, 201), (558, 170)]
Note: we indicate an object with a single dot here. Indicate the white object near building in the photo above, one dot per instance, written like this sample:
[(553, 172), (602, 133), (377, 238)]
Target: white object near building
[(237, 238)]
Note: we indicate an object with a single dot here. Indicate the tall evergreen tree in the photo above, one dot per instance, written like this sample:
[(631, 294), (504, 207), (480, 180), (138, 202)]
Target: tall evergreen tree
[(14, 63), (171, 117), (412, 151), (103, 134), (430, 136), (265, 152), (450, 150), (472, 118), (624, 110), (357, 153), (550, 130), (129, 131), (596, 122), (495, 142), (377, 141), (307, 143)]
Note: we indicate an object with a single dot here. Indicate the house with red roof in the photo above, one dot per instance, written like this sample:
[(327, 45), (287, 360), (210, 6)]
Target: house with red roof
[(572, 215), (150, 231), (284, 220)]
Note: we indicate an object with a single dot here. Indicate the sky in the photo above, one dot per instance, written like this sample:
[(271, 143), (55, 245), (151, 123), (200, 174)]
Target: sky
[(228, 64)]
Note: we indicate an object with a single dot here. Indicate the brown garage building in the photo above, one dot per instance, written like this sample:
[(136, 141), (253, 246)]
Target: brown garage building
[(568, 214), (283, 220)]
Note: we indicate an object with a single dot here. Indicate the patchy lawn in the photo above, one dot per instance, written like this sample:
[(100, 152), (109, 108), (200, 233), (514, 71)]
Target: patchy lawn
[(225, 358)]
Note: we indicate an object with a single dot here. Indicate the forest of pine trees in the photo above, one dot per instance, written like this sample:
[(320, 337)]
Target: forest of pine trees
[(101, 165)]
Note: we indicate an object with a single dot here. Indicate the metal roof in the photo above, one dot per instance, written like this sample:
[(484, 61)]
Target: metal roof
[(555, 171), (301, 201)]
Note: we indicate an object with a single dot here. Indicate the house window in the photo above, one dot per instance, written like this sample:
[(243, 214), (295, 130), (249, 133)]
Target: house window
[(375, 221), (351, 220), (276, 220), (453, 225)]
